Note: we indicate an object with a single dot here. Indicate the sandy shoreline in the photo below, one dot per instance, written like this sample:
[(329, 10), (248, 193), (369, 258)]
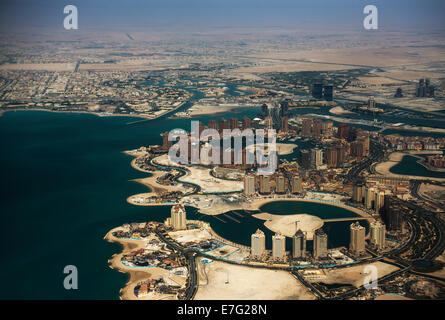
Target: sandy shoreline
[(135, 276), (219, 207), (149, 182), (395, 158)]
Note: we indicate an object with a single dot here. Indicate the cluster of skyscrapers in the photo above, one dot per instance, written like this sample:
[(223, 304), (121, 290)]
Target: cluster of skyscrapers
[(316, 128), (355, 144), (178, 217), (266, 184), (377, 234), (424, 88), (319, 91), (320, 247), (369, 195), (311, 159), (357, 244), (381, 202), (357, 239)]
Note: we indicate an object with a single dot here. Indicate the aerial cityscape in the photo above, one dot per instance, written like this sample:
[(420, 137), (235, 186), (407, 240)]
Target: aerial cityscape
[(265, 162)]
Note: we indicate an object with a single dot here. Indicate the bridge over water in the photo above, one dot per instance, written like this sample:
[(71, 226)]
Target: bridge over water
[(347, 219)]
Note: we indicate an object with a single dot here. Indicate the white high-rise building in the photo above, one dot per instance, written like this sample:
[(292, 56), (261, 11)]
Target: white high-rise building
[(358, 193), (357, 243), (378, 234), (178, 217), (296, 184), (281, 184), (320, 244), (316, 158), (369, 197), (278, 246), (371, 103), (379, 200), (265, 184), (299, 244), (258, 243), (249, 185)]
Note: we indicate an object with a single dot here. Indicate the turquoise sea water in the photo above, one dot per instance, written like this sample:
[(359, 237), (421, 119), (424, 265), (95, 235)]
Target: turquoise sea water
[(64, 184)]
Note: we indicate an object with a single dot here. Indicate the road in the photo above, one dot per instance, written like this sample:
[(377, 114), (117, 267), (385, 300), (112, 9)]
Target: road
[(350, 294), (376, 155), (190, 256)]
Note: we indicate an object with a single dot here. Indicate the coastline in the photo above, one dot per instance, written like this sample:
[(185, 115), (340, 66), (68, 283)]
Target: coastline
[(99, 114), (430, 168), (219, 208), (149, 182), (395, 158), (259, 203), (134, 276)]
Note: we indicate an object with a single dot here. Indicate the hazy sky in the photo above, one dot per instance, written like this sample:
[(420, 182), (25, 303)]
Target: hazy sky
[(200, 14)]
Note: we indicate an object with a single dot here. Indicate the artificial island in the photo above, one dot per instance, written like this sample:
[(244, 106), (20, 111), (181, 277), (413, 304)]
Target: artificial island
[(359, 180), (291, 255)]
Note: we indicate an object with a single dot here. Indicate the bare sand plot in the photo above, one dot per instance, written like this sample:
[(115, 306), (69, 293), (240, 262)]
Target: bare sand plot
[(203, 109), (227, 281), (284, 148), (238, 255), (378, 81), (201, 176), (281, 66), (213, 204), (360, 56), (413, 75), (339, 111), (356, 275), (223, 251), (432, 192), (285, 224), (384, 55), (185, 236)]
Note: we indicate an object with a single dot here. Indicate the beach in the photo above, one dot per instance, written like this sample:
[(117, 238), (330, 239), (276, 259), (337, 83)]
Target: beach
[(395, 158), (135, 275)]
